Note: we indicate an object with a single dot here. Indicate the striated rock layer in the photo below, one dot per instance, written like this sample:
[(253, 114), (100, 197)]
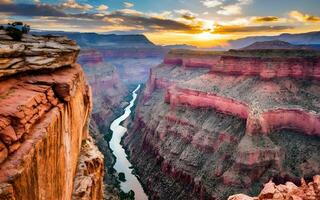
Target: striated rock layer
[(206, 128), (44, 118)]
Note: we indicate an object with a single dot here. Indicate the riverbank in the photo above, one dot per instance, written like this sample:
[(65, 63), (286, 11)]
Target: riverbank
[(122, 164)]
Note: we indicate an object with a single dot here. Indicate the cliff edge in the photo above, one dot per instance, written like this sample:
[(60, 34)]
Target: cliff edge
[(45, 106)]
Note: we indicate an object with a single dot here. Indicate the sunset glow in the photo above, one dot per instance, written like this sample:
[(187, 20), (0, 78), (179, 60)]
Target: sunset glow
[(203, 23)]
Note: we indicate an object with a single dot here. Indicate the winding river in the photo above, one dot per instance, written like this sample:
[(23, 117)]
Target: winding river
[(122, 163)]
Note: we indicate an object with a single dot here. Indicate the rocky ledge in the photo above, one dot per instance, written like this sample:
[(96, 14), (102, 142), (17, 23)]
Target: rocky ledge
[(44, 117), (35, 53)]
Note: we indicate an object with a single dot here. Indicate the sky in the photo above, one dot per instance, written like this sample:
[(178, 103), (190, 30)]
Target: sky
[(202, 23)]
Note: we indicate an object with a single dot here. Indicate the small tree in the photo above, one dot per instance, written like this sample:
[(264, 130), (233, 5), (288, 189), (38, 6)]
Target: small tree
[(14, 33)]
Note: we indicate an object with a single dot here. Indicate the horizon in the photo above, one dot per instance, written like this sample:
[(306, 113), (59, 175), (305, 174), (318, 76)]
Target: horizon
[(200, 23)]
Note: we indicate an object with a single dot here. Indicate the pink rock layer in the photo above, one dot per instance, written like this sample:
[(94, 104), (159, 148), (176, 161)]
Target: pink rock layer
[(266, 68), (264, 123)]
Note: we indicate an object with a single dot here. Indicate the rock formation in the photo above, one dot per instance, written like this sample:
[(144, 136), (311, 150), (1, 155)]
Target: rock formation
[(89, 176), (45, 107), (213, 124), (288, 190)]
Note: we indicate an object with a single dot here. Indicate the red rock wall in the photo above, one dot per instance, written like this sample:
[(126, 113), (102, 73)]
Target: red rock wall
[(155, 83), (295, 119), (45, 164), (266, 68), (197, 99)]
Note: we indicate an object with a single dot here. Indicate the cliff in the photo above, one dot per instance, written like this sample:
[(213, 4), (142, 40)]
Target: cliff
[(45, 107), (213, 124)]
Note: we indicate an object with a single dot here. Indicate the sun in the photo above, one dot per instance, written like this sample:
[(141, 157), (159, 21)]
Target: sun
[(206, 36)]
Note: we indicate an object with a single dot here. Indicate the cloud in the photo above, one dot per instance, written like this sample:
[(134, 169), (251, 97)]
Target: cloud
[(233, 9), (211, 3), (6, 2), (31, 10), (162, 15), (302, 17), (230, 10), (220, 29), (265, 19), (102, 7), (72, 4), (36, 1), (128, 4), (186, 14), (131, 18)]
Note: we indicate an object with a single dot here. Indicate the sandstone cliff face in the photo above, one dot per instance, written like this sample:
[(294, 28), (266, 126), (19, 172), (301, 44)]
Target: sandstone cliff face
[(206, 128), (44, 118)]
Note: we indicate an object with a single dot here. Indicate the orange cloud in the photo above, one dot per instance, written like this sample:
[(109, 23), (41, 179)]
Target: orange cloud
[(220, 29), (72, 4), (102, 7), (265, 19), (302, 17), (6, 1)]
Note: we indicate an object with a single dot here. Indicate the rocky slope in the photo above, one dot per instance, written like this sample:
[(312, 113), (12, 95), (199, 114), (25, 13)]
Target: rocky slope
[(45, 107), (212, 124)]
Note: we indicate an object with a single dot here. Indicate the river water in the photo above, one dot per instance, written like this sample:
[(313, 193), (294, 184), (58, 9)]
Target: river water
[(122, 163)]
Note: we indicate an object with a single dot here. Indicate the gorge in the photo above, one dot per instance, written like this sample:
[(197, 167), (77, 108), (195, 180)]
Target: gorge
[(212, 124), (122, 164), (205, 125)]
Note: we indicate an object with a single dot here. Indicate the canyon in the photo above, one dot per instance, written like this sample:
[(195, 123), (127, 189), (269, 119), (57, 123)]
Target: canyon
[(212, 124), (112, 71), (45, 106), (208, 125)]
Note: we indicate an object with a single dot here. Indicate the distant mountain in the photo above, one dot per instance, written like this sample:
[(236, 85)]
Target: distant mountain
[(275, 44), (103, 40), (180, 46), (311, 38)]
